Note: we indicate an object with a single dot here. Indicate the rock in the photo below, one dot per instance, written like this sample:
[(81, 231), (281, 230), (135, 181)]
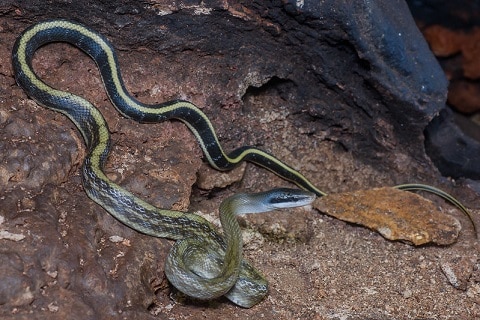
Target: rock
[(455, 153), (458, 271), (341, 90), (395, 214)]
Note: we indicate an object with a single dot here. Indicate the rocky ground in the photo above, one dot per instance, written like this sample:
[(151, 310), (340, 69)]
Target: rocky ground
[(62, 256)]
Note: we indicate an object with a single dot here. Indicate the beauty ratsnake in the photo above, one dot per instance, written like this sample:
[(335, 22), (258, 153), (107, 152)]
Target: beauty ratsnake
[(203, 263)]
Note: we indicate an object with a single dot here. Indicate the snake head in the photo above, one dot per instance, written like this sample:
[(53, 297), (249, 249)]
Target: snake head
[(282, 198), (279, 198)]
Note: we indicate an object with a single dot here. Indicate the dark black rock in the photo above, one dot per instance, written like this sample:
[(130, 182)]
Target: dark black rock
[(455, 153)]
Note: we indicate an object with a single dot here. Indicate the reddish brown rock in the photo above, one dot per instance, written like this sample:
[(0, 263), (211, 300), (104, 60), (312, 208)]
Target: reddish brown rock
[(340, 90)]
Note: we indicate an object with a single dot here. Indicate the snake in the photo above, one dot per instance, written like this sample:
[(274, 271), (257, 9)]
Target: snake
[(202, 263), (213, 262)]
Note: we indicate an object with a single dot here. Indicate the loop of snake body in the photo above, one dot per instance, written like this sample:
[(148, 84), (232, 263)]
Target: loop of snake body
[(202, 264)]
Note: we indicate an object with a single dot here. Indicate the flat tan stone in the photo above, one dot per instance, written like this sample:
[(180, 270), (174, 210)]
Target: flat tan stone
[(395, 214)]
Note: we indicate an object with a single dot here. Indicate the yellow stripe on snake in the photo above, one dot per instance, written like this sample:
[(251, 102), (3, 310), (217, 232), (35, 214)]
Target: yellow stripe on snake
[(202, 263)]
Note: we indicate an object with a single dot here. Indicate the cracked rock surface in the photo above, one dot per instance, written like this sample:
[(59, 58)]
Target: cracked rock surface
[(341, 92)]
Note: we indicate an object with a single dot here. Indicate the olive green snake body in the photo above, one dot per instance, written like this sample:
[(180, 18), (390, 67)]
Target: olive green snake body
[(226, 273), (203, 263)]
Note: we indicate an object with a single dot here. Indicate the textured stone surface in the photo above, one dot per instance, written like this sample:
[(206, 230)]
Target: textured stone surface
[(455, 153), (340, 91), (453, 141), (458, 271), (395, 214)]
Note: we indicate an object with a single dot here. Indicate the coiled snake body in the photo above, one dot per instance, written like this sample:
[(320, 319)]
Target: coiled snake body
[(202, 264)]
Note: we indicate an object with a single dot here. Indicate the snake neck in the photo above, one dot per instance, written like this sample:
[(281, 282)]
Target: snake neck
[(229, 209)]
